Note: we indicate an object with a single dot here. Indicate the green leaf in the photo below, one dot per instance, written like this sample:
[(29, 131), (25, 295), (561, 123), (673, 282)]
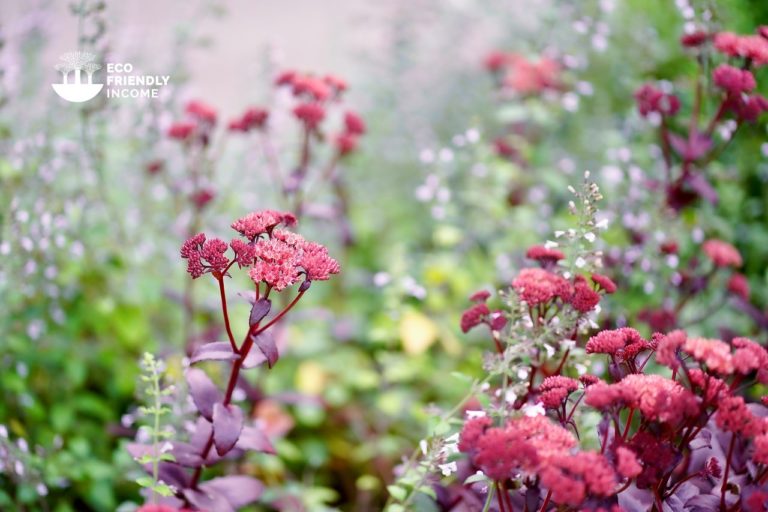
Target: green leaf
[(146, 481), (397, 492)]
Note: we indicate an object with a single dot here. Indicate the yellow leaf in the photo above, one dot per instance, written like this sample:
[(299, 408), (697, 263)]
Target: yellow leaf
[(417, 332)]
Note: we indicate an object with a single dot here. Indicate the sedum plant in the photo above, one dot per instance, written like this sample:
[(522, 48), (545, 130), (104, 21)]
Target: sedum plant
[(278, 262), (613, 421)]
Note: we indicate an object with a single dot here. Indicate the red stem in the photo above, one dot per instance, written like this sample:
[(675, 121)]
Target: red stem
[(225, 313), (254, 331), (546, 501), (725, 473)]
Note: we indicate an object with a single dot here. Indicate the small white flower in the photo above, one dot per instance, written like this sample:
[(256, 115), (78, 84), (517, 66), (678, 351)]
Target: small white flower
[(580, 262), (474, 414), (589, 237), (449, 468), (602, 224), (534, 410), (559, 233), (510, 397), (423, 446), (549, 244)]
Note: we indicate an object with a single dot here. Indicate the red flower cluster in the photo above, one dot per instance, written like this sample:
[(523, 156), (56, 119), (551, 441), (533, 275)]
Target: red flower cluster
[(253, 118), (522, 75), (204, 256), (202, 119), (751, 47), (354, 127), (535, 446), (739, 286), (622, 344), (656, 397), (262, 222), (479, 313), (537, 286), (555, 390), (733, 80), (276, 258), (546, 257), (652, 100), (722, 253)]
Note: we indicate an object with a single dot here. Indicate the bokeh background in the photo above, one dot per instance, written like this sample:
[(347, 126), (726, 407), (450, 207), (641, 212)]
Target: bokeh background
[(89, 233)]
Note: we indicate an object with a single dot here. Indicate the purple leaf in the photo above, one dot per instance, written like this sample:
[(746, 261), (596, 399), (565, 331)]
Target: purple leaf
[(703, 503), (216, 351), (636, 499), (699, 183), (227, 425), (186, 455), (238, 490), (266, 343), (204, 392), (253, 438), (138, 450), (173, 474), (259, 310), (253, 359), (199, 437), (209, 500), (691, 149)]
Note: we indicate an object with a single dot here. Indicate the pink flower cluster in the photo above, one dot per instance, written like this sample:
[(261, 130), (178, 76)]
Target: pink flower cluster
[(535, 446), (657, 398), (650, 100), (201, 119), (722, 253), (274, 257), (522, 75), (479, 313)]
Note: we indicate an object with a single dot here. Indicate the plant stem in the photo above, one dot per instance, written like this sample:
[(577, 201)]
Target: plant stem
[(725, 472), (225, 313), (246, 346), (546, 501)]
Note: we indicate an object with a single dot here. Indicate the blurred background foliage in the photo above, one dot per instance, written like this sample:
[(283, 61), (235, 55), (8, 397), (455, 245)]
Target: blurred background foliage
[(90, 275)]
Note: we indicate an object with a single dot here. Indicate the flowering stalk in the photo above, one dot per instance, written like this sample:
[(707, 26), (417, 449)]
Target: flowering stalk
[(314, 98), (734, 83), (276, 260)]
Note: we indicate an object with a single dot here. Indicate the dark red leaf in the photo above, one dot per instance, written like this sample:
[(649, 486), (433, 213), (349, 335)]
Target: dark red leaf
[(227, 425), (238, 490), (216, 351), (266, 344), (253, 438), (203, 391), (259, 310)]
